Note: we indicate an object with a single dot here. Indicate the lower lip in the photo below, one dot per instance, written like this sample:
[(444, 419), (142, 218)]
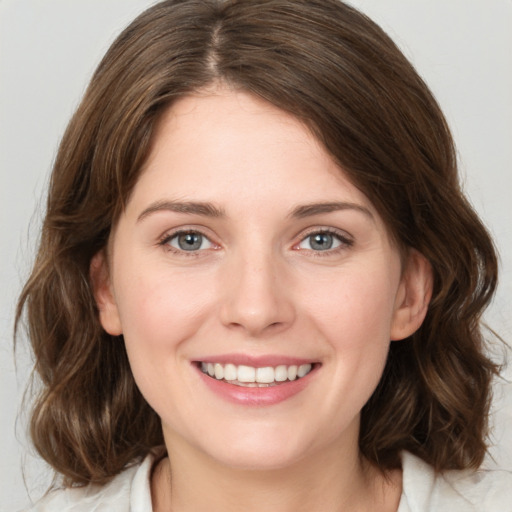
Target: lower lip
[(255, 396)]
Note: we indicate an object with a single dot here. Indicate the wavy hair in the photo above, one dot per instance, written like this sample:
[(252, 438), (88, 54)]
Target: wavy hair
[(332, 67)]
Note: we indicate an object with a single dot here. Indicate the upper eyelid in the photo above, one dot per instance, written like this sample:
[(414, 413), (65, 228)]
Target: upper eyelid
[(165, 242), (171, 233), (343, 235)]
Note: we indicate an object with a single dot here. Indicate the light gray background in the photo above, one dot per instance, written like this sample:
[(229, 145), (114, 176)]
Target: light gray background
[(48, 50)]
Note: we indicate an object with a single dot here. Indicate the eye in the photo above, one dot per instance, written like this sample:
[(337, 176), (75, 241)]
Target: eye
[(321, 241), (189, 241)]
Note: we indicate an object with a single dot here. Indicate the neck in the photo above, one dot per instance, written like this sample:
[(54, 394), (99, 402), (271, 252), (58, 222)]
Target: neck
[(328, 481)]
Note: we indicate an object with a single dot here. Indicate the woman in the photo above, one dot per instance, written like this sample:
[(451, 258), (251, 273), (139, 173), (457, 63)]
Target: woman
[(259, 285)]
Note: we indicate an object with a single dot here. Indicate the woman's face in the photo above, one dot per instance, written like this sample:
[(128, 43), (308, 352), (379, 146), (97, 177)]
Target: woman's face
[(245, 251)]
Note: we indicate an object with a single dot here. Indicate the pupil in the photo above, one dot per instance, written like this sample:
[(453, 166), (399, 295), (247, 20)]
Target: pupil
[(321, 241), (190, 241)]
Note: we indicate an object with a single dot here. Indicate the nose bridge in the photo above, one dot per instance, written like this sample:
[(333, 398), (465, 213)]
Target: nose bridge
[(256, 297)]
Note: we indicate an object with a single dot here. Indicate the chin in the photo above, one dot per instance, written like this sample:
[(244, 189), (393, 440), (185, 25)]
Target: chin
[(258, 460), (259, 450)]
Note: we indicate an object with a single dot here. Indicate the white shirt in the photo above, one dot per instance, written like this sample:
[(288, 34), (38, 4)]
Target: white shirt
[(422, 491)]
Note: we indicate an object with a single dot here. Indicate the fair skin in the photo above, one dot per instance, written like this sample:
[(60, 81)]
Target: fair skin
[(244, 244)]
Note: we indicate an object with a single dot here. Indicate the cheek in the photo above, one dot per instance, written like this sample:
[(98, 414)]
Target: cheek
[(356, 308), (160, 310), (354, 319)]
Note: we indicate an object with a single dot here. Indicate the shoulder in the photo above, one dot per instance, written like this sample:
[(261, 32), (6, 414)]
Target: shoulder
[(127, 492), (472, 491)]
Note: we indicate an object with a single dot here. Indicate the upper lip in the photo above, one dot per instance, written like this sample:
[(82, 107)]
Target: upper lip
[(259, 361)]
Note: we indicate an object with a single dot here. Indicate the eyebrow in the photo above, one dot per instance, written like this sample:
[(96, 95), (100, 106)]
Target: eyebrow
[(188, 207), (312, 209), (206, 209)]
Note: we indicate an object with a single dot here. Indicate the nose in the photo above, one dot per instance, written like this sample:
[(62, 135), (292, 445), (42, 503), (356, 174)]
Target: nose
[(257, 298)]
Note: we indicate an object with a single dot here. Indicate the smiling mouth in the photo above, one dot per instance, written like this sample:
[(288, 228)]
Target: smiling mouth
[(249, 376)]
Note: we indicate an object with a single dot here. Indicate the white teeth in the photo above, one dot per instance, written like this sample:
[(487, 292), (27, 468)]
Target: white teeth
[(230, 372), (250, 376), (265, 375), (219, 371), (303, 370), (281, 373), (246, 374), (292, 372)]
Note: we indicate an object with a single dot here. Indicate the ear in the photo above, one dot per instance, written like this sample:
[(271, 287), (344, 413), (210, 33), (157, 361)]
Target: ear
[(103, 294), (413, 297)]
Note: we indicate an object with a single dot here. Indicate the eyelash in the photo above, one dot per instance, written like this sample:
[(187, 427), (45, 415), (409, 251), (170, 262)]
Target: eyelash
[(345, 242), (167, 237)]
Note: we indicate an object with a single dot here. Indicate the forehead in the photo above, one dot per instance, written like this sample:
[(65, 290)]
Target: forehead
[(234, 146)]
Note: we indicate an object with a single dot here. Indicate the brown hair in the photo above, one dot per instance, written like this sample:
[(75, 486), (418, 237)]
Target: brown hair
[(332, 67)]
